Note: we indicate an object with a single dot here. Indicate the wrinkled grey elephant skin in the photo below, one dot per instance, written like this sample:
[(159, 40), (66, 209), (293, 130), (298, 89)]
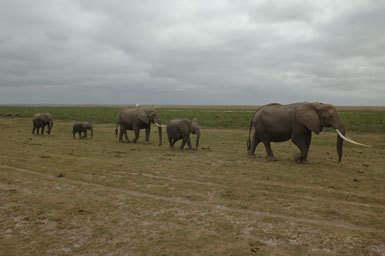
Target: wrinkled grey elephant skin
[(277, 123), (180, 129), (136, 119), (40, 120), (82, 127)]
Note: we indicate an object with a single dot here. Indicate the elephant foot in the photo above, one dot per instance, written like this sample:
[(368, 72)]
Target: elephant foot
[(304, 161), (299, 159), (251, 155), (271, 159)]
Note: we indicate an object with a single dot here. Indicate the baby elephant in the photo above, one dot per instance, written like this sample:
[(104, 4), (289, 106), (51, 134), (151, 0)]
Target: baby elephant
[(80, 127), (9, 115), (180, 129)]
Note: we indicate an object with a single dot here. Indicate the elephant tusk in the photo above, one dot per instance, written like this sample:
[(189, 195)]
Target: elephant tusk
[(162, 126), (350, 140)]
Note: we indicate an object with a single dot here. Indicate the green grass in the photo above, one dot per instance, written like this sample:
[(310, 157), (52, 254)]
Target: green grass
[(364, 121), (355, 120)]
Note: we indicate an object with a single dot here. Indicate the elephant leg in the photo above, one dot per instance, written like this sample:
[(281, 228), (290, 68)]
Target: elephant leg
[(42, 130), (301, 141), (126, 136), (85, 134), (34, 128), (308, 140), (148, 129), (183, 143), (170, 142), (254, 145), (37, 130), (173, 142), (136, 132), (270, 156), (189, 143), (121, 134)]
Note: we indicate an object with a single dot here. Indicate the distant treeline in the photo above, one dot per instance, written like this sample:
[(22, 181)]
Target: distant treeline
[(355, 120)]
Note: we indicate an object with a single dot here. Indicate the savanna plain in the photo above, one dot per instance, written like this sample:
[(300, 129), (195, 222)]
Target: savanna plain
[(65, 196)]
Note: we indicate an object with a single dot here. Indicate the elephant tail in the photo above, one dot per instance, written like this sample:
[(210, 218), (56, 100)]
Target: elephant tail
[(249, 140), (116, 130)]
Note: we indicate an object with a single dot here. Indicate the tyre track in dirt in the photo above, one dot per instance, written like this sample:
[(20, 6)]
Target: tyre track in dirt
[(282, 185), (270, 183), (332, 224), (173, 179)]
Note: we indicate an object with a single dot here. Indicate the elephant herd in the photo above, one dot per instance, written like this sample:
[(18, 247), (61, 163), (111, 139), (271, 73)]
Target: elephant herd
[(130, 119), (10, 115), (271, 123)]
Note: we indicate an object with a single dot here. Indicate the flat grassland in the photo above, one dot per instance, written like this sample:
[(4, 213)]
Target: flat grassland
[(65, 196)]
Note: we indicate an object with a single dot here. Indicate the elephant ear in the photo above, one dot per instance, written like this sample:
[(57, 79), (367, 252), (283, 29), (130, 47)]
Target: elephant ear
[(143, 115), (307, 115)]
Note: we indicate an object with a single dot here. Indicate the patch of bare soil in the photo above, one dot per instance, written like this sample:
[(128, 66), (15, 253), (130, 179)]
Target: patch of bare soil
[(206, 204)]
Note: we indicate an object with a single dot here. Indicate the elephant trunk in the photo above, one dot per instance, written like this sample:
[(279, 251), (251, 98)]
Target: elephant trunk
[(160, 135), (197, 142), (159, 124), (50, 125), (339, 125), (116, 129), (248, 143)]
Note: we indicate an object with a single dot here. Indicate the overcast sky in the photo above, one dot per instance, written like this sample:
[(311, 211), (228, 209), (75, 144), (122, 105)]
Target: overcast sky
[(216, 52)]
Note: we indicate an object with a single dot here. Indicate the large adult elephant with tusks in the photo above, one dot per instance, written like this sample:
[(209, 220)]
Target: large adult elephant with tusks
[(276, 123), (136, 119)]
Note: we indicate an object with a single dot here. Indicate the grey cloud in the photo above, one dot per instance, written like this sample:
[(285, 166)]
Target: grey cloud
[(286, 11), (191, 52)]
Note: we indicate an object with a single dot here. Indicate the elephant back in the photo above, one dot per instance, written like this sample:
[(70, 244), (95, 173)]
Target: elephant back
[(126, 116), (178, 124), (45, 117)]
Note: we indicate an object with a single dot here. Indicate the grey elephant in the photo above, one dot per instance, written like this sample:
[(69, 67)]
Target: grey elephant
[(136, 119), (277, 123), (82, 127), (40, 120), (8, 115), (180, 129)]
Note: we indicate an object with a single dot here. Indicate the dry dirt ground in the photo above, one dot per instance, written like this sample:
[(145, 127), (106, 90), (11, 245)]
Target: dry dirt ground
[(64, 196)]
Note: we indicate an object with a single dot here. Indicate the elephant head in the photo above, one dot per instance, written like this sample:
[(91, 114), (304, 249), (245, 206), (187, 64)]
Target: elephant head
[(315, 116), (90, 127), (150, 115), (50, 123), (195, 129)]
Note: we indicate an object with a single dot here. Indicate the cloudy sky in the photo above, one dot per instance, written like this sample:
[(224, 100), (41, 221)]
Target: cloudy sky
[(216, 52)]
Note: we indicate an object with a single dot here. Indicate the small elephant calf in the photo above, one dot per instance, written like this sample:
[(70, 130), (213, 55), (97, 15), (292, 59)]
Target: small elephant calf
[(180, 129), (80, 127), (9, 115)]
